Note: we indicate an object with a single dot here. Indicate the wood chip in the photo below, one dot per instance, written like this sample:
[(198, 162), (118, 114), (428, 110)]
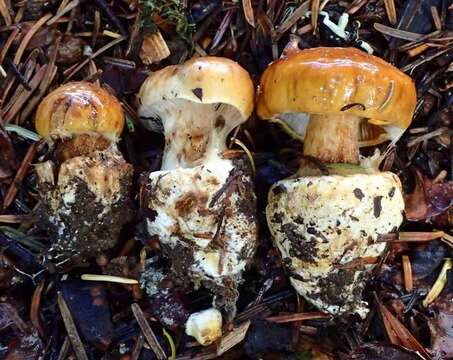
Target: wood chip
[(76, 342), (407, 271), (233, 338), (148, 332), (391, 11), (281, 319), (290, 21), (248, 12), (32, 31), (154, 48)]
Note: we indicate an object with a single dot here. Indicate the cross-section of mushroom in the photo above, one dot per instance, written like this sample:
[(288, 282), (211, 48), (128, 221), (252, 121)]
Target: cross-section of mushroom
[(326, 226), (84, 188), (202, 203)]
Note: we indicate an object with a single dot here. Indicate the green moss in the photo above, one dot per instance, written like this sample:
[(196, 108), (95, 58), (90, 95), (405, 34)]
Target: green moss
[(170, 10)]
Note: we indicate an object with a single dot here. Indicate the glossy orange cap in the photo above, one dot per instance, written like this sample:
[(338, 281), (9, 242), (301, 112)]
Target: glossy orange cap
[(79, 108), (337, 80)]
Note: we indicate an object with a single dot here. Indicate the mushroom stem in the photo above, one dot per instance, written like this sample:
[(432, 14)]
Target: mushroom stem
[(333, 138), (80, 145), (196, 133)]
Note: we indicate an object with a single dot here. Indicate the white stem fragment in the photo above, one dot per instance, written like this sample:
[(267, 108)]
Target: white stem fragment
[(205, 326)]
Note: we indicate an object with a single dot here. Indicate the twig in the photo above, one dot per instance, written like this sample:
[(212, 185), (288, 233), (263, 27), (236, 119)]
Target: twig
[(314, 14), (108, 278), (148, 332), (291, 20), (248, 12), (391, 11), (14, 218), (436, 18), (423, 60), (222, 29), (18, 75), (64, 349), (69, 7), (419, 236), (94, 55), (282, 319), (4, 11), (138, 347), (23, 45), (25, 95), (26, 162), (110, 15), (396, 33), (233, 338), (70, 326), (34, 309)]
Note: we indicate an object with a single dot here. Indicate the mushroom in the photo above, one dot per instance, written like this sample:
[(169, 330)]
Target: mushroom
[(84, 189), (326, 226), (201, 204)]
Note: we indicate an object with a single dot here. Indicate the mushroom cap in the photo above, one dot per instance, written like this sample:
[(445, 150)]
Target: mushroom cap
[(338, 80), (203, 80), (79, 108)]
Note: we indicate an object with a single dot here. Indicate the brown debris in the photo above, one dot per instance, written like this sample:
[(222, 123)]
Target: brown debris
[(154, 48)]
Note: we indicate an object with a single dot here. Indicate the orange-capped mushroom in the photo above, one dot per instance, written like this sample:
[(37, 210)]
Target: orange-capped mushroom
[(324, 225), (85, 194), (79, 108), (334, 94)]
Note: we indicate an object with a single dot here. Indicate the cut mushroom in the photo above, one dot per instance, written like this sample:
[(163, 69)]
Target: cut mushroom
[(326, 226), (202, 203), (85, 189)]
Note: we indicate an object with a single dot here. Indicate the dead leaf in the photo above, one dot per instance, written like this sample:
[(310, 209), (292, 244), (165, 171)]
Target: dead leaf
[(428, 199)]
